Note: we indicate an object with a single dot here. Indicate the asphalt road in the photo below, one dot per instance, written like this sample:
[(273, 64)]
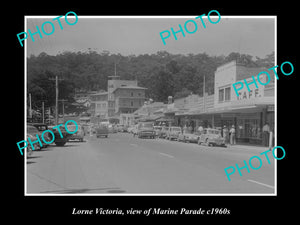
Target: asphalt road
[(122, 164)]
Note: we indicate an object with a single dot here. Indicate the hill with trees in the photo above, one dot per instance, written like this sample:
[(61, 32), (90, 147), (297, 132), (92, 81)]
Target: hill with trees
[(163, 74)]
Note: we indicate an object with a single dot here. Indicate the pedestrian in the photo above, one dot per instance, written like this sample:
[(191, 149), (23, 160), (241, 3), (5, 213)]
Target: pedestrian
[(232, 135), (190, 128), (200, 129), (226, 134), (266, 134), (184, 128)]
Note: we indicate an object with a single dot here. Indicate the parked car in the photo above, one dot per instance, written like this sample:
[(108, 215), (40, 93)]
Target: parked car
[(121, 128), (157, 130), (211, 136), (145, 129), (130, 129), (173, 133), (134, 130), (163, 132), (32, 131), (79, 135), (187, 136), (41, 127), (101, 131), (60, 141), (29, 148), (112, 128)]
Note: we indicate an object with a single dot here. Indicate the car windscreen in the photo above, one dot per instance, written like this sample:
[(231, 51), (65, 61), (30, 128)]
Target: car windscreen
[(72, 128), (146, 125), (176, 129), (188, 132), (31, 129)]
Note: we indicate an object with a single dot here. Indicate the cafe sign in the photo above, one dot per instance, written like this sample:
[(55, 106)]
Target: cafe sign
[(254, 93)]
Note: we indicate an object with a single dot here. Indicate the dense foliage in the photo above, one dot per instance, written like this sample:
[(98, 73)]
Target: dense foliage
[(163, 74)]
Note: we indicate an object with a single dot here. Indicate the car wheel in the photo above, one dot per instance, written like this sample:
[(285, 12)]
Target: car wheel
[(60, 143), (199, 142), (206, 142)]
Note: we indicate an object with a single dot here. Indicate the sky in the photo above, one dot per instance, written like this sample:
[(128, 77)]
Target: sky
[(126, 36)]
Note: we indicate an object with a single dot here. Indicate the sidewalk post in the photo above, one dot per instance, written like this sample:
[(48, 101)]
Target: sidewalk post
[(271, 140)]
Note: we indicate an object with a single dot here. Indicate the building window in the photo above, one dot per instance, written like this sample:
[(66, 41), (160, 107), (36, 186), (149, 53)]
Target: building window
[(131, 103), (227, 94), (221, 95), (131, 94), (224, 94)]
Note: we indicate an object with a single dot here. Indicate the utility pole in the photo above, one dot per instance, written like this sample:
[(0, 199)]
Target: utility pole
[(30, 109), (63, 102), (203, 93), (43, 112), (56, 98)]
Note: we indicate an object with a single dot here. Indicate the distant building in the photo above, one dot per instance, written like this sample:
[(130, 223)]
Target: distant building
[(124, 96), (128, 98), (99, 105)]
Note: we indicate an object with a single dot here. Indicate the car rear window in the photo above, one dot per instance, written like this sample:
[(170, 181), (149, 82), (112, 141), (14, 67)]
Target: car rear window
[(176, 129), (31, 129), (146, 125), (72, 128)]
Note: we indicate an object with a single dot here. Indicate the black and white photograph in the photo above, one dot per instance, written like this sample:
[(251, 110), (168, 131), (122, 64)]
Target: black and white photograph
[(151, 105)]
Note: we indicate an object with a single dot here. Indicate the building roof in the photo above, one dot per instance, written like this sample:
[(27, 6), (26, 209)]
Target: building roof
[(130, 87), (100, 93)]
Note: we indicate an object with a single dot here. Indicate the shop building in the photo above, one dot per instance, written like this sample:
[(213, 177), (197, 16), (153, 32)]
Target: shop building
[(249, 111)]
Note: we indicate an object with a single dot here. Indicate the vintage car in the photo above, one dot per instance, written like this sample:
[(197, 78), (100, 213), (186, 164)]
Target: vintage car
[(121, 128), (32, 131), (163, 132), (130, 129), (61, 137), (157, 130), (101, 131), (145, 129), (187, 136), (173, 133), (79, 135), (41, 127), (211, 137)]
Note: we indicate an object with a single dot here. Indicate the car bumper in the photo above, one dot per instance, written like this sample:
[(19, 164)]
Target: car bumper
[(218, 142), (146, 134), (75, 137), (195, 140)]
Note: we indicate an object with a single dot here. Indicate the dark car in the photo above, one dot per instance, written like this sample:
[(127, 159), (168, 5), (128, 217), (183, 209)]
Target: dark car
[(145, 129), (60, 141)]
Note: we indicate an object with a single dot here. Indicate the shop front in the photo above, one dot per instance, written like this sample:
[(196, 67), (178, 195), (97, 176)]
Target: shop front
[(248, 111)]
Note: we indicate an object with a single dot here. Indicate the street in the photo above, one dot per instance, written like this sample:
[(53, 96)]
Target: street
[(122, 164)]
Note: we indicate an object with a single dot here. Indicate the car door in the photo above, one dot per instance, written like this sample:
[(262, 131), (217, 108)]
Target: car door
[(203, 136)]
